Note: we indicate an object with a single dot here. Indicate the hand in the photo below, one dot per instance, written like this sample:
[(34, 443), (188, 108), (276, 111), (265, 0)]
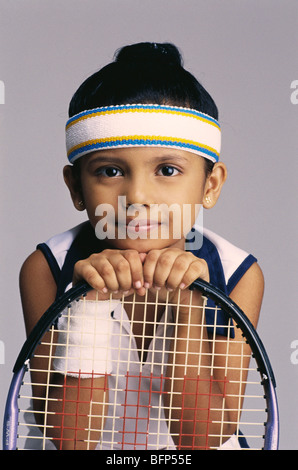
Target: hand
[(172, 268), (127, 271), (112, 271)]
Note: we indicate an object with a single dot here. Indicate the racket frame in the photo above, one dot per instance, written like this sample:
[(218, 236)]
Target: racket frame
[(51, 315)]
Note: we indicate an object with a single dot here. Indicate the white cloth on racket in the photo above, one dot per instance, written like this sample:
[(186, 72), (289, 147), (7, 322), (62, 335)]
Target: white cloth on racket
[(84, 331)]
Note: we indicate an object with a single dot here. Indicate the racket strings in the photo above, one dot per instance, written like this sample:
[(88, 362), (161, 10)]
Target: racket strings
[(159, 392)]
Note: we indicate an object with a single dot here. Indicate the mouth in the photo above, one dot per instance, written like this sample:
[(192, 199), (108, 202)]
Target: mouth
[(141, 225)]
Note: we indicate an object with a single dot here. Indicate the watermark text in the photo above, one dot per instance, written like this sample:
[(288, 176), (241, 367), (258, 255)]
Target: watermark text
[(294, 354), (294, 94), (2, 92), (155, 221), (2, 352)]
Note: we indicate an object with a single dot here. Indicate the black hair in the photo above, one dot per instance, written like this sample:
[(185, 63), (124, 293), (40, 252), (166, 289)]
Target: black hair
[(144, 73)]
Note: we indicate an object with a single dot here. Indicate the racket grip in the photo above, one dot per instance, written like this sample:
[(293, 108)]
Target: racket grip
[(84, 335), (11, 414)]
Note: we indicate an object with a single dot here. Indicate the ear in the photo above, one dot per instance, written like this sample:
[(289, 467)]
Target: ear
[(214, 184), (73, 184)]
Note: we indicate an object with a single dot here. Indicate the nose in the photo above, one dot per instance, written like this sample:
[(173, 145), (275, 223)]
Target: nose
[(139, 191)]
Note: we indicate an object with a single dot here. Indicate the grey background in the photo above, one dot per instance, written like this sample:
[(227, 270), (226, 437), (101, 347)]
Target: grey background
[(244, 52)]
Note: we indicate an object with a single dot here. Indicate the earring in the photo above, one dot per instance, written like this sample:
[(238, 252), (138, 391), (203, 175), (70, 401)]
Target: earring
[(208, 199), (81, 204)]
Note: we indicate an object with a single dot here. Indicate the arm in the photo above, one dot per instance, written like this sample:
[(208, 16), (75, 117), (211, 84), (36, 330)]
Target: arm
[(195, 387), (248, 295), (192, 391), (38, 290)]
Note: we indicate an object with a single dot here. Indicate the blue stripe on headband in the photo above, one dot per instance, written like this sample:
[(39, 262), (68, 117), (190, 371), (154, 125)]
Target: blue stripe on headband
[(140, 142)]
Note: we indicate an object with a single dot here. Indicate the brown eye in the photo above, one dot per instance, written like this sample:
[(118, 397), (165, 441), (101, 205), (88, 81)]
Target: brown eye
[(168, 171), (109, 172)]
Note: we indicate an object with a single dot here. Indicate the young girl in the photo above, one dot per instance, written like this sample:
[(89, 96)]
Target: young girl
[(142, 134)]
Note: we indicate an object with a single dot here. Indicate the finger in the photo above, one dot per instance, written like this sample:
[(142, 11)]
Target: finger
[(163, 267), (107, 272), (142, 257), (120, 270), (83, 270), (116, 272), (136, 269), (197, 269), (149, 267), (177, 276)]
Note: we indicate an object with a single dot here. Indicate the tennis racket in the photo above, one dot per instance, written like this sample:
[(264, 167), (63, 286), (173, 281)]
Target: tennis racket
[(142, 373)]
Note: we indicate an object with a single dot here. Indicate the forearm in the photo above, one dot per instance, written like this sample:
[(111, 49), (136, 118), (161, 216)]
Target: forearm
[(192, 392), (72, 411), (79, 413), (67, 408)]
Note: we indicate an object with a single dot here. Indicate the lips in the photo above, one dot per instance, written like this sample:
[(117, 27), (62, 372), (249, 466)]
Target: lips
[(139, 225)]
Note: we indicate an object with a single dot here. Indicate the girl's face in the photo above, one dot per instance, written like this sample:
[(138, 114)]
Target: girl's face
[(143, 198)]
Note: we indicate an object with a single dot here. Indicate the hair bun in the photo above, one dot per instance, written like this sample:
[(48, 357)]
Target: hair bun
[(148, 52)]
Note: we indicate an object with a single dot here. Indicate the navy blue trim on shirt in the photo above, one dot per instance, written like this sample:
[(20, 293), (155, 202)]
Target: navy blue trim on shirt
[(52, 262), (209, 253), (82, 247), (242, 440), (240, 271)]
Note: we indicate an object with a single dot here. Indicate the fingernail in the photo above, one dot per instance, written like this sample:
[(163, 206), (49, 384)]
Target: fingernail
[(157, 287), (104, 290), (138, 284), (182, 285), (146, 285)]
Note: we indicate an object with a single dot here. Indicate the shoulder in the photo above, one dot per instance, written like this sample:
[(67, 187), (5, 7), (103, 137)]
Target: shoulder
[(231, 256), (34, 266), (37, 288), (59, 244), (248, 292), (234, 261), (243, 275)]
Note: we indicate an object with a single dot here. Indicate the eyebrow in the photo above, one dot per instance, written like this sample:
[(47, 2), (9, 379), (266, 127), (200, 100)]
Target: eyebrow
[(158, 159), (170, 156), (105, 159)]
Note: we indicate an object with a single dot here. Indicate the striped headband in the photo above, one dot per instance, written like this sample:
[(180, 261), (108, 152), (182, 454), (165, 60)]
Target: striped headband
[(142, 125)]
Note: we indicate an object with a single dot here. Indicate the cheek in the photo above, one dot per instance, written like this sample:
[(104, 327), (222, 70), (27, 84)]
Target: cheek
[(95, 195), (190, 198), (191, 191)]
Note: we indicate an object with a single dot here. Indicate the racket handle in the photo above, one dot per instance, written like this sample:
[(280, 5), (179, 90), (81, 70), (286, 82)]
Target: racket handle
[(271, 438), (10, 426)]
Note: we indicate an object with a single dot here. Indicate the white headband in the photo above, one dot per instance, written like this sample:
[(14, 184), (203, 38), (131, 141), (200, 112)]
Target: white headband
[(141, 125)]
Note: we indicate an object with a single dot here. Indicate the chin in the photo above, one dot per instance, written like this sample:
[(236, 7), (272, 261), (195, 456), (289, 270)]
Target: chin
[(142, 246)]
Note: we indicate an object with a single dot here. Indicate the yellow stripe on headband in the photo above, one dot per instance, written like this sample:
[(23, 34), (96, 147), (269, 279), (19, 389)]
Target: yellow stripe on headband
[(140, 126)]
